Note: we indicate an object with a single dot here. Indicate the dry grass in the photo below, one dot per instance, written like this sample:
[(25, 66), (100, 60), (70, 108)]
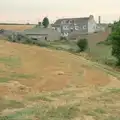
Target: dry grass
[(54, 85)]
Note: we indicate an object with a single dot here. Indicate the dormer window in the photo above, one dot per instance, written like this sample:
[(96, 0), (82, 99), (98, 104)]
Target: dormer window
[(63, 22), (65, 28)]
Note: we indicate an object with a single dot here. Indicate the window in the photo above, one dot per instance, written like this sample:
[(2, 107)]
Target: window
[(63, 22), (84, 27), (76, 27), (65, 28), (71, 29)]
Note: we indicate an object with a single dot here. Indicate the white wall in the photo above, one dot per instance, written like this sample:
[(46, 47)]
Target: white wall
[(92, 26), (58, 29)]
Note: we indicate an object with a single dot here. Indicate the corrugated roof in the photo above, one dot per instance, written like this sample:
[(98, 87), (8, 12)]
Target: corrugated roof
[(39, 30)]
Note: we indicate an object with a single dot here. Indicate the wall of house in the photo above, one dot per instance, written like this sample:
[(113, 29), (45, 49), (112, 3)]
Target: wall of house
[(54, 36), (92, 26), (83, 27)]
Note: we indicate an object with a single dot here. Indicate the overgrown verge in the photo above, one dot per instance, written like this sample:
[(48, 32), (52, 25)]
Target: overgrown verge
[(58, 44)]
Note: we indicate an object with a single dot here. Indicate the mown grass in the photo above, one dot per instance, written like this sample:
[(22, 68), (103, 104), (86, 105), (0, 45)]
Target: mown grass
[(39, 97), (114, 90), (9, 104), (99, 111), (4, 79), (15, 76), (112, 118), (22, 76), (45, 112)]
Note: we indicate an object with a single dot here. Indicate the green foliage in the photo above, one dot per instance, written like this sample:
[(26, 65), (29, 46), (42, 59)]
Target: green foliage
[(63, 38), (11, 61), (44, 112), (82, 44), (45, 22), (115, 37), (4, 79)]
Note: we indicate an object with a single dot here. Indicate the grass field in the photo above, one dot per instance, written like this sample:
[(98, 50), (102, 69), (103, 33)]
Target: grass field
[(44, 84), (16, 27), (99, 52)]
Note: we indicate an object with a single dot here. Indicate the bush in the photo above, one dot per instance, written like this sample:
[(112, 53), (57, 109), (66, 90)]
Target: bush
[(82, 44), (63, 38), (115, 40)]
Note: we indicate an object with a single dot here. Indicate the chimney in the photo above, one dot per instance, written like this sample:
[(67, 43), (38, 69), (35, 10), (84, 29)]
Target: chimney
[(99, 19)]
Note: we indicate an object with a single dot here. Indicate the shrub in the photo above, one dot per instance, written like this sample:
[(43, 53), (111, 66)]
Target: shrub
[(115, 38), (82, 44), (63, 38)]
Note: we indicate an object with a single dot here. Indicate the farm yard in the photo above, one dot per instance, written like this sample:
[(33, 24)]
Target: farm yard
[(45, 84)]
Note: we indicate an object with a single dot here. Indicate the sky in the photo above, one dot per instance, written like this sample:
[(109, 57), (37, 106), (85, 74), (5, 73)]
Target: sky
[(32, 11)]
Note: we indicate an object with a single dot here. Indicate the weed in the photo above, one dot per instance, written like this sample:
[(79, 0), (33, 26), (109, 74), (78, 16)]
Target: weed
[(35, 98), (45, 112), (10, 104), (112, 118), (10, 61), (26, 76), (4, 79), (114, 90), (99, 111)]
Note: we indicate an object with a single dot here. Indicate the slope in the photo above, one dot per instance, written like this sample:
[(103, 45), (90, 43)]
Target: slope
[(40, 83)]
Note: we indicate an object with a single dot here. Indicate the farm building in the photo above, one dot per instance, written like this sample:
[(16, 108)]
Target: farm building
[(39, 33), (83, 25)]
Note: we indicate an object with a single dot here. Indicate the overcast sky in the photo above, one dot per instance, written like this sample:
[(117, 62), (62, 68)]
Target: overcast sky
[(23, 11)]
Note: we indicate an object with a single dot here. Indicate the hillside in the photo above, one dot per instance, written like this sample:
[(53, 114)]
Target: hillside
[(44, 84)]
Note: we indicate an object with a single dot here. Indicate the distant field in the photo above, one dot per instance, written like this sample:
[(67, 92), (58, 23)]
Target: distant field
[(16, 27)]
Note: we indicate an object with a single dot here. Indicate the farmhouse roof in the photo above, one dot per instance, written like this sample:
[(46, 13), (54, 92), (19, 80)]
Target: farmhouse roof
[(76, 20)]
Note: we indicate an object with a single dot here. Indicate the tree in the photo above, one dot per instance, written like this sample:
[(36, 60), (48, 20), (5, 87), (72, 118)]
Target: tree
[(115, 38), (45, 22), (82, 44)]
